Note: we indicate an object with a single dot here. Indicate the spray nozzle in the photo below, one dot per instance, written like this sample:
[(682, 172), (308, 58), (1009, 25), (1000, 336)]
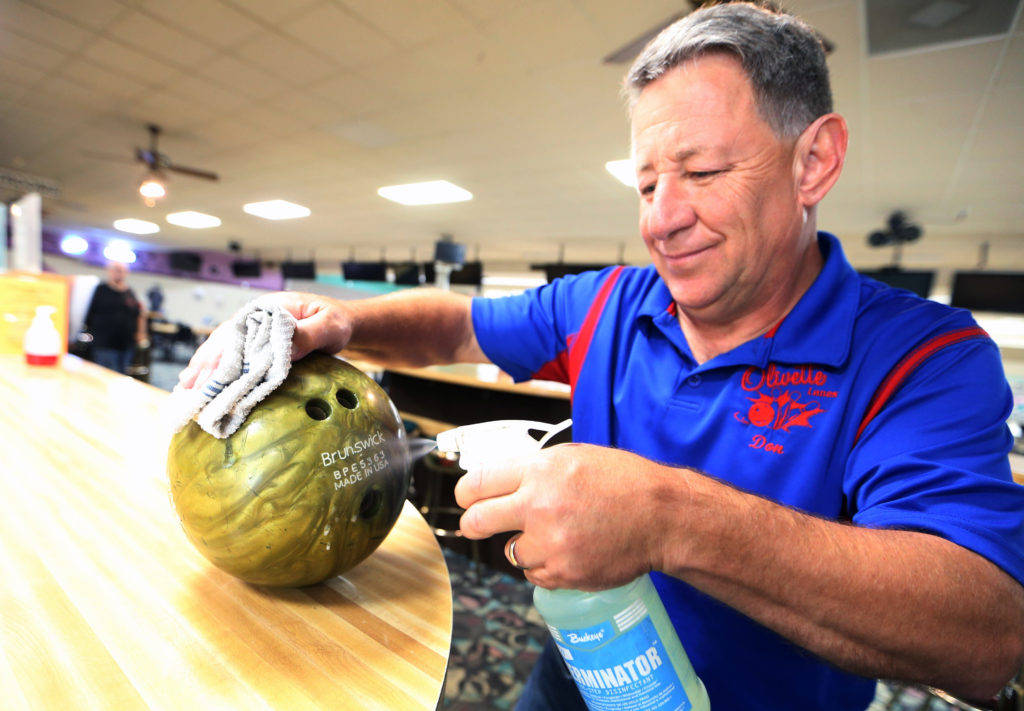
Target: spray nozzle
[(491, 441)]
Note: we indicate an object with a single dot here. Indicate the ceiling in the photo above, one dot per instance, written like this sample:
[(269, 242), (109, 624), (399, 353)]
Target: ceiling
[(323, 101)]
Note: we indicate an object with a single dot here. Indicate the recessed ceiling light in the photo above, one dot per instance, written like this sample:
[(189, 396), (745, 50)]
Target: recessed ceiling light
[(276, 210), (136, 227), (623, 171), (193, 219), (432, 192), (74, 244), (118, 251)]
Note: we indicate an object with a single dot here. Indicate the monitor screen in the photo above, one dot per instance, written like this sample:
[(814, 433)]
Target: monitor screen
[(472, 273), (365, 271), (1002, 292), (407, 273), (919, 282), (298, 270), (246, 268), (451, 252), (561, 269), (185, 261)]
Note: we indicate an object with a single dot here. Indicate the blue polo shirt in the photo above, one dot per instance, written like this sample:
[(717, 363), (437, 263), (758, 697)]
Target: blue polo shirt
[(790, 416)]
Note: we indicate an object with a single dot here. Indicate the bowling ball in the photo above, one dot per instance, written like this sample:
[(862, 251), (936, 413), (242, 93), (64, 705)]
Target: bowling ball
[(306, 488)]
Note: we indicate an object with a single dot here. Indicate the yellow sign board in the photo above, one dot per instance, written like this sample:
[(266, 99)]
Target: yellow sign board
[(20, 294)]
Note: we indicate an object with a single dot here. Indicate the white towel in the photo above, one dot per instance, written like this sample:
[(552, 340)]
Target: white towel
[(256, 358)]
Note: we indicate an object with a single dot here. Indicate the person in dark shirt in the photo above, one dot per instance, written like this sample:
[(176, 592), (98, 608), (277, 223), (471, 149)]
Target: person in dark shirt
[(116, 320)]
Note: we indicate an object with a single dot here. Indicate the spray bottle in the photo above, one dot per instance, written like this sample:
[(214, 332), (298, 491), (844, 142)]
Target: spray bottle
[(619, 645), (42, 339)]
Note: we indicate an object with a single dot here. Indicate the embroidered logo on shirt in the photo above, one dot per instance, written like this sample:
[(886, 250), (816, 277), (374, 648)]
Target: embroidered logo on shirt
[(781, 399)]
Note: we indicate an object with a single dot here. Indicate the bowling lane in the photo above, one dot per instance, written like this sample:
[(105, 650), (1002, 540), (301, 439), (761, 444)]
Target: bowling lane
[(105, 604)]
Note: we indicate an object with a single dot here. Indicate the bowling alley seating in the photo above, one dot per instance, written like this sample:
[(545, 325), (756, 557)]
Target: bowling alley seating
[(434, 478)]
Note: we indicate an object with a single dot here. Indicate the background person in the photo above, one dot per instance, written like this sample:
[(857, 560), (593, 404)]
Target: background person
[(116, 320), (814, 466)]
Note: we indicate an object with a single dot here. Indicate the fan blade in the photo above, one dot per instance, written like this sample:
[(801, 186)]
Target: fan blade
[(194, 172)]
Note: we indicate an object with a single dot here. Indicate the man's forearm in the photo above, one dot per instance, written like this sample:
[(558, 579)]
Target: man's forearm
[(413, 328), (882, 603)]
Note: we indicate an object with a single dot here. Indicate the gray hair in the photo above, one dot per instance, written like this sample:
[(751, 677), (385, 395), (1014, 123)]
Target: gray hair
[(782, 56)]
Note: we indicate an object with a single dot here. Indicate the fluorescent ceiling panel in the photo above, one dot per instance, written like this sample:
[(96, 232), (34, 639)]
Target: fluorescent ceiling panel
[(432, 192), (136, 227), (193, 220), (276, 210), (623, 171)]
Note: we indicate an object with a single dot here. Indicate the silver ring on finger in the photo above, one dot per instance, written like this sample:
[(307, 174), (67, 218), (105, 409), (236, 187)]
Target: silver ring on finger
[(510, 552)]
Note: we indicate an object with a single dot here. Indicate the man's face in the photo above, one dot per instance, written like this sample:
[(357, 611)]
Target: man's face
[(719, 210), (117, 273)]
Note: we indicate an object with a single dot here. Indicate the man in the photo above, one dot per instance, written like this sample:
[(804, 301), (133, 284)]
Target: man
[(116, 320), (814, 466)]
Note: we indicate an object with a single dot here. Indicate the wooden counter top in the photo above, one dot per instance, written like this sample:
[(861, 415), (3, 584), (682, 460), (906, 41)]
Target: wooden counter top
[(483, 376), (105, 604)]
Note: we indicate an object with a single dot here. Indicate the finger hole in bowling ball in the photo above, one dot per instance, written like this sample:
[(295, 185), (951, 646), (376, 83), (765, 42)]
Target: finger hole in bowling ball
[(318, 409), (347, 399), (371, 503)]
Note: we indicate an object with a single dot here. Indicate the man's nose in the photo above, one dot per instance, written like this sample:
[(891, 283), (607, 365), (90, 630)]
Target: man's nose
[(671, 208)]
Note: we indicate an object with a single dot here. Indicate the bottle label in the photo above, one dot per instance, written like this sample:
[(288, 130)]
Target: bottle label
[(622, 665)]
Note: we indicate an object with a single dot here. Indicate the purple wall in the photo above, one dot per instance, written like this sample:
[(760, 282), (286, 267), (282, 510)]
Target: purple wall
[(216, 266)]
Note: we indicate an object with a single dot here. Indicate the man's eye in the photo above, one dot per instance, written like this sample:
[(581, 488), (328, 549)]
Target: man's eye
[(647, 189), (702, 174)]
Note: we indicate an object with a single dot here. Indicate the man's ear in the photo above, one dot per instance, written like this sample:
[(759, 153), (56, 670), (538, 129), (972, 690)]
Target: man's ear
[(820, 151)]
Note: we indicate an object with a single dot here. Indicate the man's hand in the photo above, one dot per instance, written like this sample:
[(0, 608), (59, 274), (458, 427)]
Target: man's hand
[(323, 325), (586, 512)]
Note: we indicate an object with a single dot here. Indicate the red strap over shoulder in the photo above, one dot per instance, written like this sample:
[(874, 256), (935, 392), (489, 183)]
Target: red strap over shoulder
[(908, 364), (581, 344)]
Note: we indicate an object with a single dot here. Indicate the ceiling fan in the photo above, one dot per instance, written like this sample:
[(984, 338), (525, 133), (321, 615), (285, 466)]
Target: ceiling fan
[(159, 162)]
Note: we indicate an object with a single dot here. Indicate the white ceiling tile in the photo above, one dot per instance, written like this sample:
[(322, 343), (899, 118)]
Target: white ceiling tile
[(211, 21), (999, 132), (156, 38), (34, 55), (353, 95), (238, 75), (214, 98), (43, 25), (122, 59), (103, 81), (1012, 70), (284, 58), (340, 35), (943, 72), (95, 14), (18, 74), (272, 12), (169, 110), (410, 23)]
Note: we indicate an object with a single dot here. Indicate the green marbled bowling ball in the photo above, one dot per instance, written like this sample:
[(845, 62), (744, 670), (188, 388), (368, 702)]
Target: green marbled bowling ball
[(308, 486)]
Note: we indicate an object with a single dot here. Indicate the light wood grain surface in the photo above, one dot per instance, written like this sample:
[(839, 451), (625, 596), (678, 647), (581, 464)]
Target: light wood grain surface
[(483, 376), (104, 604)]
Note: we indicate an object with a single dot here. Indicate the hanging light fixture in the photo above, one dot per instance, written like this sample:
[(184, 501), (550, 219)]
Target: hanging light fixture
[(152, 188)]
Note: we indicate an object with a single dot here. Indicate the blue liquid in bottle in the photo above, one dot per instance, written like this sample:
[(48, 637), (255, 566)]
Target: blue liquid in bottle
[(621, 648)]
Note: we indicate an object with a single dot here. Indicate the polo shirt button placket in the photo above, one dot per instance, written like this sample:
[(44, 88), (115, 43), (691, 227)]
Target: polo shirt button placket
[(694, 381)]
